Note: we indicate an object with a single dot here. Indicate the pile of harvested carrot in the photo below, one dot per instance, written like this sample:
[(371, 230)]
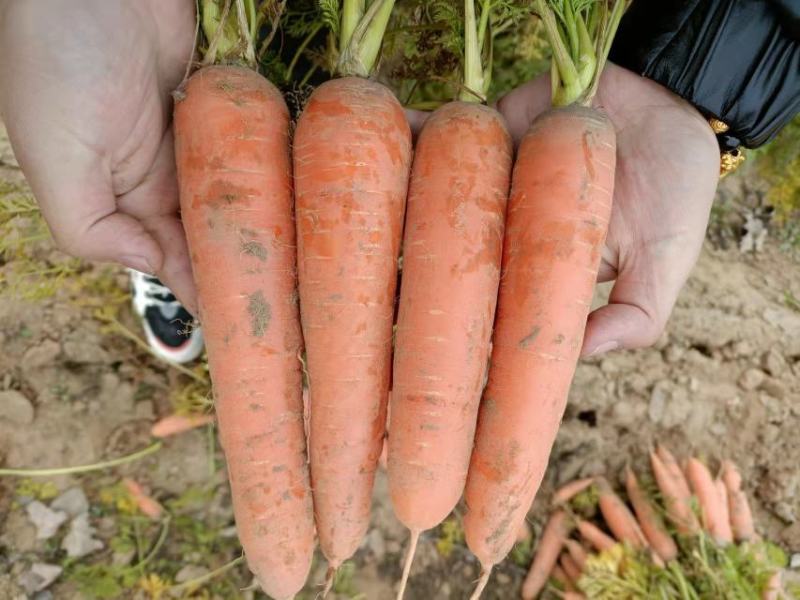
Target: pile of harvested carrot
[(682, 534)]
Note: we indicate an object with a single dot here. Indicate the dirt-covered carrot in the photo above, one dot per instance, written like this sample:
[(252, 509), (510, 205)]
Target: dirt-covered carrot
[(352, 154), (547, 550), (649, 520), (676, 494), (557, 221), (569, 490), (618, 516), (176, 424), (596, 537), (234, 173), (452, 248), (741, 517), (146, 504), (712, 514)]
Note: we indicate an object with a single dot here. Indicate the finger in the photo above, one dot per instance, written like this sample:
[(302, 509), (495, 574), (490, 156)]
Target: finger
[(640, 303), (154, 202), (521, 106)]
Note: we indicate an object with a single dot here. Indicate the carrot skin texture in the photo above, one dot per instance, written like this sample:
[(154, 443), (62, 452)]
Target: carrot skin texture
[(709, 499), (649, 520), (677, 496), (452, 249), (556, 225), (554, 535), (599, 539), (738, 506), (234, 174), (352, 155)]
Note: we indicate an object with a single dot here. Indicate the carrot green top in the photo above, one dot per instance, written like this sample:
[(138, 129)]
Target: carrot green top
[(361, 31), (580, 34), (231, 29)]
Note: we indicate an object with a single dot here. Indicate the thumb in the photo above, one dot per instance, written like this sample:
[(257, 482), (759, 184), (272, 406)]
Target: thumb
[(638, 307)]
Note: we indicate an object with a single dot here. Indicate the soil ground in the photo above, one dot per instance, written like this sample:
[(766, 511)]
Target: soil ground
[(724, 381)]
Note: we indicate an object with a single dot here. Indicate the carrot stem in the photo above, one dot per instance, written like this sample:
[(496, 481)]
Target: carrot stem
[(474, 84), (361, 51)]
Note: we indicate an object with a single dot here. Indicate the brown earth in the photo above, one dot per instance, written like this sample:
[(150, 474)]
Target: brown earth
[(724, 381)]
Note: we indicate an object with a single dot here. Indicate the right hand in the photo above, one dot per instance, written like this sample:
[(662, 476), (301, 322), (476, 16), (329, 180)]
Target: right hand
[(85, 93)]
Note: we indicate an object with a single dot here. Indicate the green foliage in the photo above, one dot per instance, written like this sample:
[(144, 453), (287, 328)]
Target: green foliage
[(329, 15), (779, 164), (36, 489), (343, 581), (451, 534), (522, 553)]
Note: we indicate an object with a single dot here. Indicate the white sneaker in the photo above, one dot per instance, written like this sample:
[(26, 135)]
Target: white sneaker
[(168, 326)]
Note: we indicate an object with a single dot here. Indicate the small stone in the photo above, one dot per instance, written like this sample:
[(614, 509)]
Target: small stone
[(15, 407), (503, 578), (673, 353), (784, 511), (80, 541), (794, 561), (773, 362), (42, 355), (622, 413), (774, 388), (45, 520), (742, 349), (39, 577), (658, 402), (609, 366), (190, 572), (73, 502), (751, 379), (144, 410)]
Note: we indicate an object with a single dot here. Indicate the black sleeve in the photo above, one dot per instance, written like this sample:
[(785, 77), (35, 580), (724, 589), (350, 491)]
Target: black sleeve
[(736, 60)]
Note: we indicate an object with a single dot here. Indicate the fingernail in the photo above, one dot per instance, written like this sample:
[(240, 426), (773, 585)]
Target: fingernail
[(604, 347), (134, 261)]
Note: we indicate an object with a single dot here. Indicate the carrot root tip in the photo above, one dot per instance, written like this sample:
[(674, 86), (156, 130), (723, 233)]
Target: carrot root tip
[(482, 582), (330, 577), (412, 550)]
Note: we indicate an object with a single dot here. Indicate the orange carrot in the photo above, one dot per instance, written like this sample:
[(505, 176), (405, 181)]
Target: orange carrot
[(569, 490), (452, 249), (570, 567), (741, 517), (713, 517), (557, 218), (577, 552), (677, 497), (352, 155), (618, 516), (232, 151), (673, 468), (175, 424), (599, 539), (558, 575), (726, 531), (649, 520), (549, 547), (146, 504)]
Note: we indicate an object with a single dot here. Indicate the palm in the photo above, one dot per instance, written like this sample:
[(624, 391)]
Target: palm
[(667, 169)]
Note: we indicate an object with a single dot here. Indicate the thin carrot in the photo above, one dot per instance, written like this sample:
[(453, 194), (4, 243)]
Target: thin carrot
[(618, 516), (673, 468), (352, 153), (569, 490), (558, 574), (570, 567), (146, 504), (741, 517), (726, 531), (713, 517), (599, 539), (649, 520), (232, 153), (577, 552), (557, 221), (452, 249), (676, 494), (549, 547), (175, 424)]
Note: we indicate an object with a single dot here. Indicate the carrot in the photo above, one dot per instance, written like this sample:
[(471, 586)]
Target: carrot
[(570, 567), (452, 249), (649, 520), (549, 547), (594, 535), (147, 505), (577, 552), (741, 517), (558, 574), (774, 587), (713, 516), (725, 520), (677, 497), (674, 469), (618, 516), (352, 153), (569, 490), (232, 152), (524, 533), (175, 424), (556, 225)]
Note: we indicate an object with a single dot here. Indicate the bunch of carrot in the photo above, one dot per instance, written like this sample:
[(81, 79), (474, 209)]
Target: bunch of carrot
[(693, 508)]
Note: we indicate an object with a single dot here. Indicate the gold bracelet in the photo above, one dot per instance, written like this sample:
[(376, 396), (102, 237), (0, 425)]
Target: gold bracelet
[(728, 161)]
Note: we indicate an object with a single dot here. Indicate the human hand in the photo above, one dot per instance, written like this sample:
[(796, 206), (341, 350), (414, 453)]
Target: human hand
[(85, 95), (667, 173)]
